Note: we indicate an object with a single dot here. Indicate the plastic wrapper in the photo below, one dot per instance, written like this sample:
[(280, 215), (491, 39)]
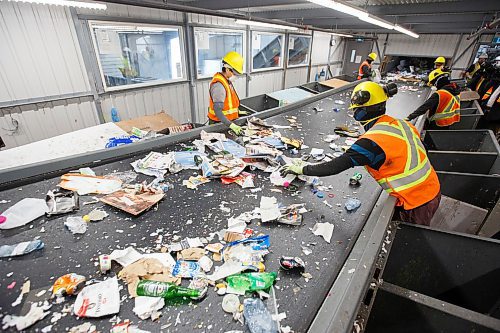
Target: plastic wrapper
[(186, 269), (68, 284), (250, 251), (61, 202)]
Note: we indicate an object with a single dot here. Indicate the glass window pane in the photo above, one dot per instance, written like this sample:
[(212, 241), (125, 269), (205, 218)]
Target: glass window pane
[(267, 50), (134, 54), (298, 50), (212, 45)]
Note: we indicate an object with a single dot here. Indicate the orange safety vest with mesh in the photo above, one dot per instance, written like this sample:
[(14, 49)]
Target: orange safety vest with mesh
[(231, 103), (406, 173), (360, 70), (448, 110), (487, 94)]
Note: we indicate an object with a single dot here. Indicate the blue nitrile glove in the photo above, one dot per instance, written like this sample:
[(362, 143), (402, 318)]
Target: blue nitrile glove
[(236, 129)]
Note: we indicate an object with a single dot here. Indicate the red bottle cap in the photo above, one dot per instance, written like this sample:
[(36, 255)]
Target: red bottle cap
[(2, 219)]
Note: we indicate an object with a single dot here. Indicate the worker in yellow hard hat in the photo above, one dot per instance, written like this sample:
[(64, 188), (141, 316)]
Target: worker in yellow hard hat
[(390, 150), (223, 100), (365, 69), (443, 105), (481, 62), (439, 63)]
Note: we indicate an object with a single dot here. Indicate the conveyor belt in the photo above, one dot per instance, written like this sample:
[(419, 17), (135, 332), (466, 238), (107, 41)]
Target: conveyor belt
[(65, 253)]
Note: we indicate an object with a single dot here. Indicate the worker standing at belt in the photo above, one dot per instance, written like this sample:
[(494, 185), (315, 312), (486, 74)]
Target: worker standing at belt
[(392, 153), (481, 61), (223, 100), (365, 69), (443, 105)]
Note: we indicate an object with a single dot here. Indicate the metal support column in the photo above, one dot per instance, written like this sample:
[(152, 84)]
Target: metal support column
[(191, 70)]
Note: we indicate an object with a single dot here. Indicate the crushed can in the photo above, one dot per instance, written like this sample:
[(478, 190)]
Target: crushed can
[(292, 263), (354, 180), (68, 284)]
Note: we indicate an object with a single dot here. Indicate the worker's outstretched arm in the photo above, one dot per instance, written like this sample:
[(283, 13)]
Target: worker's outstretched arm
[(430, 105), (218, 112), (362, 152)]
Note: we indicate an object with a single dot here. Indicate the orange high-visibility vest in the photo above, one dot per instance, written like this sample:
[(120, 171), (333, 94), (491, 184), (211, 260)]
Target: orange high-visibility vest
[(360, 70), (231, 103), (448, 110), (406, 173), (487, 94)]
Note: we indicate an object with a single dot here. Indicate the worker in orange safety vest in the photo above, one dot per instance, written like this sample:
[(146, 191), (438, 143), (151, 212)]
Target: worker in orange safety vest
[(365, 69), (223, 100), (391, 152), (443, 105)]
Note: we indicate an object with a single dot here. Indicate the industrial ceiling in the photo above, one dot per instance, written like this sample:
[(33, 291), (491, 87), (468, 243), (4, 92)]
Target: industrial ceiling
[(421, 16)]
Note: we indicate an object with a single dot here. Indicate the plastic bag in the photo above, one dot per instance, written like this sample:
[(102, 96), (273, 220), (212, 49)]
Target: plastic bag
[(23, 213), (97, 300)]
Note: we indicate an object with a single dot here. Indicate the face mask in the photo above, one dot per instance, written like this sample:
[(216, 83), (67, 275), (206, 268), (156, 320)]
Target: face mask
[(233, 78), (359, 114)]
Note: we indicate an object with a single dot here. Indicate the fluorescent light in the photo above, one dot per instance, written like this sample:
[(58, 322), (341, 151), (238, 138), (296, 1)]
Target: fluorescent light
[(377, 21), (341, 35), (341, 7), (405, 31), (267, 25), (80, 4)]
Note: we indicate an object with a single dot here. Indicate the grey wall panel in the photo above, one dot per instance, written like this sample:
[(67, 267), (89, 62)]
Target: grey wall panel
[(47, 121), (40, 54), (173, 99), (265, 82), (115, 10), (295, 76)]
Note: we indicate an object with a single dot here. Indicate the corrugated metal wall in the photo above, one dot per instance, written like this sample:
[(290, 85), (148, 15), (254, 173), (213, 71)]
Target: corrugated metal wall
[(266, 82), (296, 76)]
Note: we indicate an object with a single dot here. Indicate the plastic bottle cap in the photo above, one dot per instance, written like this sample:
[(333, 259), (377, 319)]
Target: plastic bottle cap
[(286, 184), (230, 303), (86, 218), (2, 219)]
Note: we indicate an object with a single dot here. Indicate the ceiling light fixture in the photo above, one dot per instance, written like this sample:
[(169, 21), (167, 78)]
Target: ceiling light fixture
[(405, 31), (341, 7), (264, 24), (67, 3), (376, 21), (341, 35)]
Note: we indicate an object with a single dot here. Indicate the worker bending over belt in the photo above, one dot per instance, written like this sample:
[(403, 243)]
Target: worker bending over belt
[(223, 100), (392, 153), (443, 105), (365, 69)]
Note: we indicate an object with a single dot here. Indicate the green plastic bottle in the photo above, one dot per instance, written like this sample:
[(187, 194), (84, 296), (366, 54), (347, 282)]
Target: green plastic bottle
[(251, 281), (166, 290)]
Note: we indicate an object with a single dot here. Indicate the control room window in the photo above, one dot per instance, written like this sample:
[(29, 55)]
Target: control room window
[(298, 50), (267, 50), (131, 55), (212, 45)]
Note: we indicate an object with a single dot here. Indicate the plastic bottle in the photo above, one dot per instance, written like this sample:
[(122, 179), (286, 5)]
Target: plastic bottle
[(114, 115), (257, 317), (20, 248), (251, 281), (166, 290)]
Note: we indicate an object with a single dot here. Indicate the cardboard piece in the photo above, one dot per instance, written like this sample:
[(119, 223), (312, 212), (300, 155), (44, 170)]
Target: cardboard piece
[(157, 122), (131, 202), (466, 96), (334, 83)]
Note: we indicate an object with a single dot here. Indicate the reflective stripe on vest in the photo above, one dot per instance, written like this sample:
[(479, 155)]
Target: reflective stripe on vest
[(487, 94), (447, 113), (476, 67), (478, 85), (231, 104), (415, 171)]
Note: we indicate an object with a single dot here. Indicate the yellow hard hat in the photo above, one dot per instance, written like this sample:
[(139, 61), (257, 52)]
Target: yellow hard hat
[(373, 56), (435, 74), (368, 93), (440, 60), (234, 60)]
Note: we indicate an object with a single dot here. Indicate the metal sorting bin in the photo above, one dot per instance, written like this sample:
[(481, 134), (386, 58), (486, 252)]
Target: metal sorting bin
[(315, 87), (258, 103), (467, 151), (469, 117), (437, 281)]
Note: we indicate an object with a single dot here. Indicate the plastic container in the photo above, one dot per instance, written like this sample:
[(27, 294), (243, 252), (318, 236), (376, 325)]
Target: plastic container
[(257, 317)]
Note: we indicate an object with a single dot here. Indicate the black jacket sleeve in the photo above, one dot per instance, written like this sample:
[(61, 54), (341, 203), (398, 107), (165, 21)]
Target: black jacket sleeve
[(430, 105), (367, 72), (333, 167)]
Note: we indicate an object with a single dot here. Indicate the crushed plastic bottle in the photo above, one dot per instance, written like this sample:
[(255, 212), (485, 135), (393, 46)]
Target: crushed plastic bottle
[(251, 281), (20, 248), (114, 115), (352, 204), (167, 290), (257, 317)]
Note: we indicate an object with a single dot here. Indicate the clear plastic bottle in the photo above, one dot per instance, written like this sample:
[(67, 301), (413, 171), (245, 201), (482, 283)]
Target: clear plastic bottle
[(257, 317)]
